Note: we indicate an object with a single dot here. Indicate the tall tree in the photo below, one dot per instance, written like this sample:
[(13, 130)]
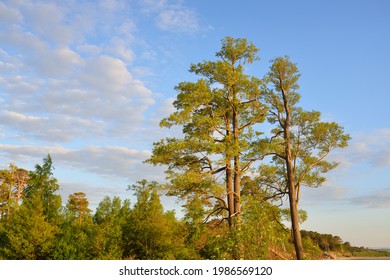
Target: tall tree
[(78, 205), (6, 193), (13, 182), (150, 230), (217, 113), (20, 177), (111, 217), (76, 240), (300, 142), (28, 235), (44, 185)]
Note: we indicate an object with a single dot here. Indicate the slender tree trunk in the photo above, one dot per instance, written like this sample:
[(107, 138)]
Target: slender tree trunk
[(238, 251), (237, 169), (237, 189), (296, 233), (237, 174), (9, 202), (230, 193), (229, 179), (21, 182), (292, 194)]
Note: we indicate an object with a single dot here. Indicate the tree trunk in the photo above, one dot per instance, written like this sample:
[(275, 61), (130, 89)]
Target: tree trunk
[(292, 194), (236, 144), (238, 251), (229, 179), (9, 202), (230, 193), (237, 189), (22, 176), (237, 169), (296, 233)]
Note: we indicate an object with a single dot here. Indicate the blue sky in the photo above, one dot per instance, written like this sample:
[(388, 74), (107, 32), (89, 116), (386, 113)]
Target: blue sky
[(89, 81)]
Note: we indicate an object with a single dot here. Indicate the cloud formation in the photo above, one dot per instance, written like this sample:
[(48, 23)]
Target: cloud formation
[(71, 84), (371, 148), (107, 161), (375, 200), (56, 84), (172, 15), (368, 151), (66, 70)]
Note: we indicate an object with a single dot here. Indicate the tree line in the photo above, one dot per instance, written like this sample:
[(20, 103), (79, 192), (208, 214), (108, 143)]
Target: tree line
[(38, 226), (246, 147), (35, 224)]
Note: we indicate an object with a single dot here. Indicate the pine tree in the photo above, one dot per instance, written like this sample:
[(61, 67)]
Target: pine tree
[(217, 113), (299, 143), (28, 235)]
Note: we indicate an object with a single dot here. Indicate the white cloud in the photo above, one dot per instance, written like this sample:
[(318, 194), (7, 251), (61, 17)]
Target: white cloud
[(16, 38), (89, 50), (36, 56), (77, 95), (149, 6), (177, 19), (172, 16), (110, 4), (52, 128), (109, 161), (42, 15), (9, 14), (376, 200), (17, 117), (330, 192), (127, 28), (369, 151), (121, 48), (162, 110), (45, 19), (57, 63), (106, 74), (371, 147), (71, 84)]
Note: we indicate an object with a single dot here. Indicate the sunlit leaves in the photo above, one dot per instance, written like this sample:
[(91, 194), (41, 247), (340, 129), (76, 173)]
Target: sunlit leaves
[(78, 205), (310, 139)]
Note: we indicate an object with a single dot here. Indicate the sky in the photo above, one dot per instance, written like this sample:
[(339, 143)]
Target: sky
[(89, 81)]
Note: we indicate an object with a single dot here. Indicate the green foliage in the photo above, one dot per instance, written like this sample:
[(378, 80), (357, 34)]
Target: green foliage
[(6, 185), (365, 252), (75, 241), (12, 184), (263, 234), (28, 235), (43, 185), (312, 250), (78, 206), (111, 217), (150, 232), (286, 215), (320, 246), (325, 242)]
